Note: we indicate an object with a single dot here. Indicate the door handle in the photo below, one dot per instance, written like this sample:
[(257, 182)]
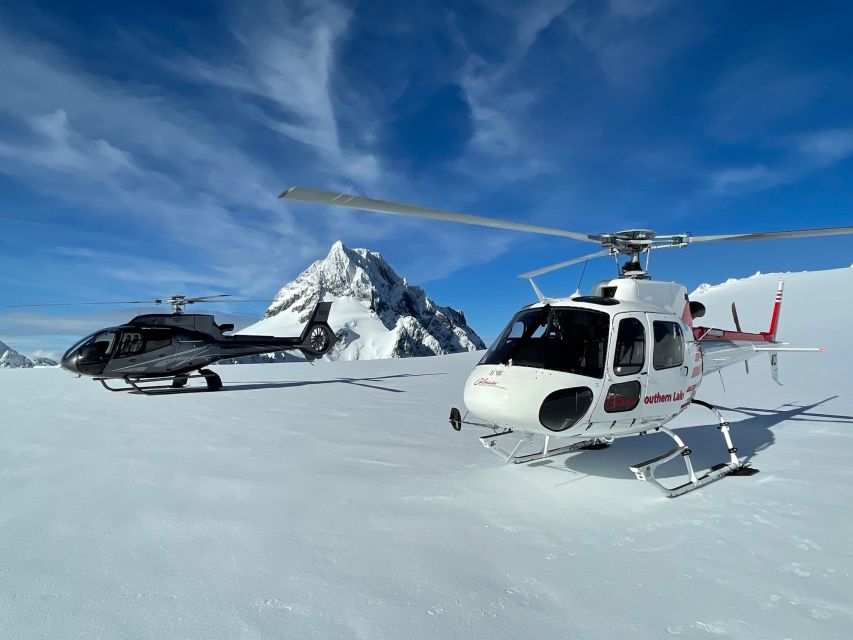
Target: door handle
[(685, 370)]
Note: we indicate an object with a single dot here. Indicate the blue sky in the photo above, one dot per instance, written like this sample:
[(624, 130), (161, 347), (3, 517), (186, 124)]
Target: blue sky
[(142, 147)]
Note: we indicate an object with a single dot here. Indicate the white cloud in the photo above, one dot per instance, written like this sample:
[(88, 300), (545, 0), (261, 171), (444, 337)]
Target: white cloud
[(827, 147), (42, 353), (496, 119), (139, 159), (632, 39), (760, 98), (498, 106), (288, 58), (58, 147), (742, 179), (799, 156), (634, 9)]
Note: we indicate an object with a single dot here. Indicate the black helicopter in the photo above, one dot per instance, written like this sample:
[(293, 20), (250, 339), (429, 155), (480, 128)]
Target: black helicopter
[(158, 347)]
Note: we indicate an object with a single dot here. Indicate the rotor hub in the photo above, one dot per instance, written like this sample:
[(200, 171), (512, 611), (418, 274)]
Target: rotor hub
[(635, 234), (179, 302)]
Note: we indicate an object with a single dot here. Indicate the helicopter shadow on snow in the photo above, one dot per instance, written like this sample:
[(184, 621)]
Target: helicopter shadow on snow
[(284, 384), (750, 435)]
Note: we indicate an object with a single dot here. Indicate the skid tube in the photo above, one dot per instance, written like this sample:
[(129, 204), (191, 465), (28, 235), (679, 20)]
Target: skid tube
[(646, 470), (490, 441), (178, 382)]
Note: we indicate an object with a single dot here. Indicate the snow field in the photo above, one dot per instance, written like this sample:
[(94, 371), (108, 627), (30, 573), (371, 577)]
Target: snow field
[(334, 501)]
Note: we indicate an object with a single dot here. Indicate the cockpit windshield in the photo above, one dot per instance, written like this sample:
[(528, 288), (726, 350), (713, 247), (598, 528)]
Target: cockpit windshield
[(560, 339), (104, 340)]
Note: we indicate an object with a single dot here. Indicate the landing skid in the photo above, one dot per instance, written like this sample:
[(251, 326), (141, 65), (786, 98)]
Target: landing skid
[(491, 443), (141, 385), (734, 467)]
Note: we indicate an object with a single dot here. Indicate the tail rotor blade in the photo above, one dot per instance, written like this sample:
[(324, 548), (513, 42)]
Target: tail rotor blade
[(734, 315), (737, 326)]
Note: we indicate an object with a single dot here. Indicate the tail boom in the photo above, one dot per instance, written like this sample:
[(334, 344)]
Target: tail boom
[(722, 348), (711, 334)]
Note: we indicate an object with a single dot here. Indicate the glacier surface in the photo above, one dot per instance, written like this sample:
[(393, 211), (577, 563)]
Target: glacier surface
[(334, 501)]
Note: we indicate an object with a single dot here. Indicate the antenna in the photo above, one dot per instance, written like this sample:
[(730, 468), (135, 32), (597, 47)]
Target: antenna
[(536, 289), (580, 281)]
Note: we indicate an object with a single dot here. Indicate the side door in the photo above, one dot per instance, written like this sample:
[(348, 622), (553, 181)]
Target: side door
[(669, 371), (141, 349), (626, 374), (127, 352)]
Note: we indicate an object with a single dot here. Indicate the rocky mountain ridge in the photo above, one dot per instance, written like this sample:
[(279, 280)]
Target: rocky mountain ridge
[(11, 359), (375, 312)]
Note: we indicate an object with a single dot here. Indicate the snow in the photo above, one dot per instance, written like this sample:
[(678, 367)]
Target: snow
[(334, 501), (11, 359), (365, 338)]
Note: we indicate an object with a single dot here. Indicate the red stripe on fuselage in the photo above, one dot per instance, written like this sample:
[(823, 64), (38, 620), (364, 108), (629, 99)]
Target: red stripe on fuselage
[(704, 334)]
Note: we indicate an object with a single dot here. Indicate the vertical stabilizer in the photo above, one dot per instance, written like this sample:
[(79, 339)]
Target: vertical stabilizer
[(777, 308), (774, 367)]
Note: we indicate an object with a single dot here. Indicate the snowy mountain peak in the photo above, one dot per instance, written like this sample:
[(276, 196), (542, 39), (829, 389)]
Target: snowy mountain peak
[(11, 359), (44, 361), (376, 313)]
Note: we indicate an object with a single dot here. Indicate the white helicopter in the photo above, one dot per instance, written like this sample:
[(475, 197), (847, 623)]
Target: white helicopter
[(622, 361)]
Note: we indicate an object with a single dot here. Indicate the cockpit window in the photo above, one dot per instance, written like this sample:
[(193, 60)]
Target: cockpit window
[(77, 345), (560, 339), (157, 339), (669, 345), (134, 342), (630, 347), (516, 330), (103, 342), (93, 353), (130, 344)]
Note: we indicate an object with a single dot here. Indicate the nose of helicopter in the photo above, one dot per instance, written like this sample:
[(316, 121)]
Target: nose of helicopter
[(69, 362), (537, 400)]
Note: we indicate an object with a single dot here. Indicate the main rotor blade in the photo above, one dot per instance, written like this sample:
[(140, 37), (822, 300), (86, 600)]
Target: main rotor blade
[(79, 304), (317, 196), (560, 265), (266, 300), (204, 298), (775, 235)]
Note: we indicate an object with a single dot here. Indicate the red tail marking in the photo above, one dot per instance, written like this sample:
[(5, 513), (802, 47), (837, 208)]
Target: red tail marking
[(777, 308), (709, 334)]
